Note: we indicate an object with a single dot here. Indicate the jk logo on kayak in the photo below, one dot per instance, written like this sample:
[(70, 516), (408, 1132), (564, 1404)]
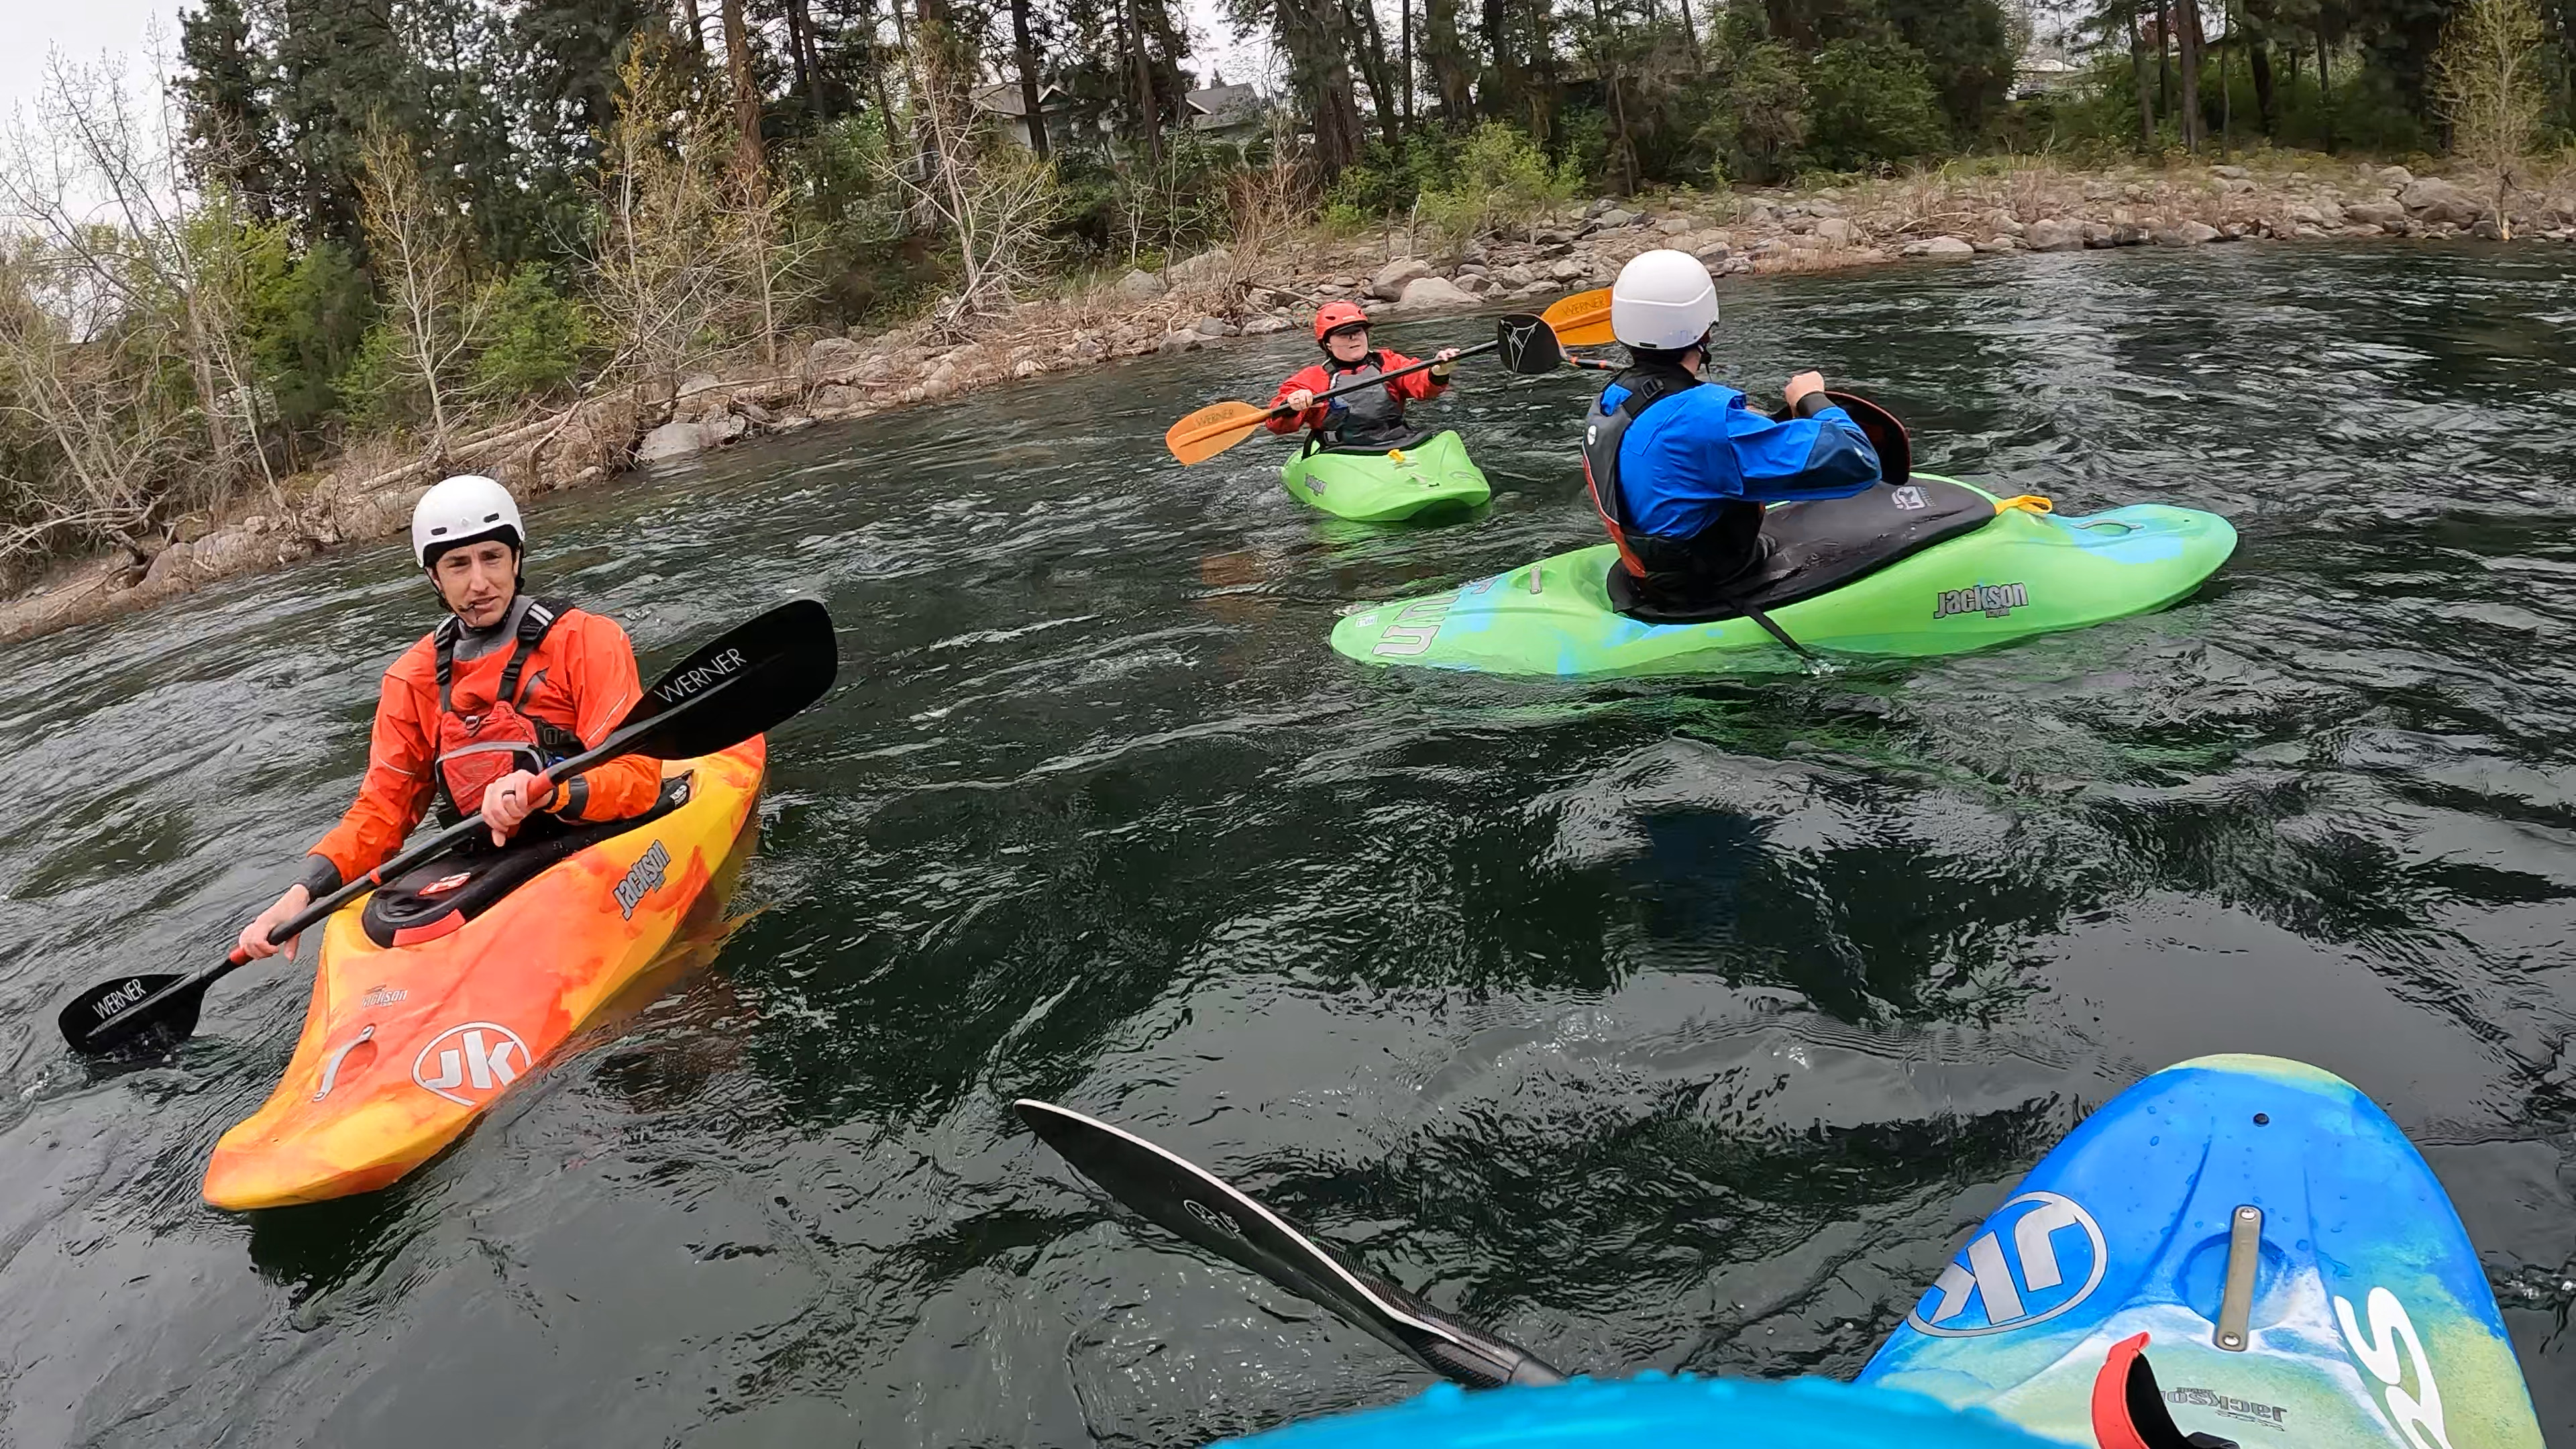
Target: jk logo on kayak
[(1992, 600), (2037, 1257), (715, 671), (466, 1063)]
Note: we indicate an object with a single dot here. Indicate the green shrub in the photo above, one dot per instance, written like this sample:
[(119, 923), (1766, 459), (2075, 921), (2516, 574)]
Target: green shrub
[(1502, 178), (1870, 105), (538, 336), (306, 319), (376, 393), (1756, 129)]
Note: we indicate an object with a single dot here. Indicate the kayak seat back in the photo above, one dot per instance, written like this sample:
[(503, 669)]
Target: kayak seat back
[(434, 899), (1407, 443), (1811, 548)]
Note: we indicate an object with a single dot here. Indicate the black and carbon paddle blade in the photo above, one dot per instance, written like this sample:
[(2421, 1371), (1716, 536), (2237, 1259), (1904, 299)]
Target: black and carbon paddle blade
[(768, 669), (105, 1020), (1207, 1210), (1527, 345)]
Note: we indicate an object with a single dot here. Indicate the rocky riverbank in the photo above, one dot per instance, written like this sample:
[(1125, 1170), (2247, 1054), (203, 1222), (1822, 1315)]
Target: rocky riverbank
[(1203, 300)]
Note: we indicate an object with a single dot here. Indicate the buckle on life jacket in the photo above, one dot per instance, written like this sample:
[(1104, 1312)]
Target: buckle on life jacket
[(476, 750)]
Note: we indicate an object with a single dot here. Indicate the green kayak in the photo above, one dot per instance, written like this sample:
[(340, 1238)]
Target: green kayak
[(1384, 487), (1934, 566)]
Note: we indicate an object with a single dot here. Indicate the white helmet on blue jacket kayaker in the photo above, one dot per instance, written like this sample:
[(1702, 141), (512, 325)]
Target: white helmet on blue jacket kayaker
[(1686, 509), (1664, 301)]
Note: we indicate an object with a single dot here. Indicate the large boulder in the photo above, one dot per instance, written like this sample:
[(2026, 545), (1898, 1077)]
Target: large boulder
[(1141, 286), (2435, 199), (2377, 213), (1708, 244), (1566, 269), (1431, 294), (700, 395), (832, 354), (2187, 234), (2395, 178), (1940, 246), (171, 568), (1834, 231), (1207, 266), (2055, 236), (1395, 276), (674, 439), (1615, 217)]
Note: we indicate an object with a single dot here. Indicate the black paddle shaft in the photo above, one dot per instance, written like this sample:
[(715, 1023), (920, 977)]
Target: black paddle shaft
[(1364, 384), (1207, 1210), (767, 669)]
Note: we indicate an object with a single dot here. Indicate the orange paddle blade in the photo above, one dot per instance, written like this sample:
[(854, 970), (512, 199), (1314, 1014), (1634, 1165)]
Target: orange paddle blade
[(1582, 320), (1212, 429)]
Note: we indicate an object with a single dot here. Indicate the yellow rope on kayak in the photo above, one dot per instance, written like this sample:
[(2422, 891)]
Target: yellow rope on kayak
[(1397, 454), (2029, 502)]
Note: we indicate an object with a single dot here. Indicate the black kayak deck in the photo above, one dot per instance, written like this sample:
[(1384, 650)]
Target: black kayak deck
[(1813, 548), (440, 896)]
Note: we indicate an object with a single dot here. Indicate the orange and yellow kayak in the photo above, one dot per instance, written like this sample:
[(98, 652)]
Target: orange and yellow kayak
[(425, 1011)]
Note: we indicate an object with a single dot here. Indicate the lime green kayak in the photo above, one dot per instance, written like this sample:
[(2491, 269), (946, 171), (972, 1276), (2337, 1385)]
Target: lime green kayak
[(1933, 567), (1385, 487)]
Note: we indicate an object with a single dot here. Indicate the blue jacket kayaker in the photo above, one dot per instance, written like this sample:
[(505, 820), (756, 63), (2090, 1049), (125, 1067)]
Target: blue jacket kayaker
[(1680, 468)]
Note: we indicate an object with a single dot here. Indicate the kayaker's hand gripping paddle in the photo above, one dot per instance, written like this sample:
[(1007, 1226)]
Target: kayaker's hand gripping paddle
[(1535, 346), (739, 686), (1219, 426), (1207, 1210)]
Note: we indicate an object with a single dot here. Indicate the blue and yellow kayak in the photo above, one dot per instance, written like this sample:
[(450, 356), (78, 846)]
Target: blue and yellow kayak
[(2296, 1274), (2236, 1250)]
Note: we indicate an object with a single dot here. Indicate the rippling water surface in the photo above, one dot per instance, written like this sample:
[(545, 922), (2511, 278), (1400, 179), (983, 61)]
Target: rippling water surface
[(1684, 1025)]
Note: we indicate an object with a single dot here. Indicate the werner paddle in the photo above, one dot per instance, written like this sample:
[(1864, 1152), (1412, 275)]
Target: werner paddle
[(1205, 1209), (1219, 426), (737, 687)]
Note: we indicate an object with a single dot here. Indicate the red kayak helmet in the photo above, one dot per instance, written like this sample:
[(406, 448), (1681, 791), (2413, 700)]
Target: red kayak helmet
[(1336, 316)]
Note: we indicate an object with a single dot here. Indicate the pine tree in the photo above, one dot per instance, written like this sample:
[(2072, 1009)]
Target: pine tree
[(223, 89)]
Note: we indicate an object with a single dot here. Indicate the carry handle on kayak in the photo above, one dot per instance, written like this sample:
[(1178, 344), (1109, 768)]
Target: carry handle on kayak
[(767, 670)]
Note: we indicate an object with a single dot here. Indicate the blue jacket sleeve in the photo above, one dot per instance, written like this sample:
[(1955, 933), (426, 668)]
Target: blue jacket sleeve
[(1825, 456)]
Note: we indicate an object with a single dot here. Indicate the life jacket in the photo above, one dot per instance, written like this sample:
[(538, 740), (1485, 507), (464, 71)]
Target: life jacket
[(476, 749), (1694, 568), (1370, 415)]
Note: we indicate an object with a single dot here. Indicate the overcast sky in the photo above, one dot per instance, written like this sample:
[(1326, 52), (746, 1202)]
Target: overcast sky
[(82, 29)]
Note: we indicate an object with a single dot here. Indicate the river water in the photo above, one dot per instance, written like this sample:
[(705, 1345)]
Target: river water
[(1686, 1025)]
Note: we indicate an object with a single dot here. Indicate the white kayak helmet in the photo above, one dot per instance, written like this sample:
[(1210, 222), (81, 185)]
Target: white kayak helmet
[(467, 508), (1664, 300)]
